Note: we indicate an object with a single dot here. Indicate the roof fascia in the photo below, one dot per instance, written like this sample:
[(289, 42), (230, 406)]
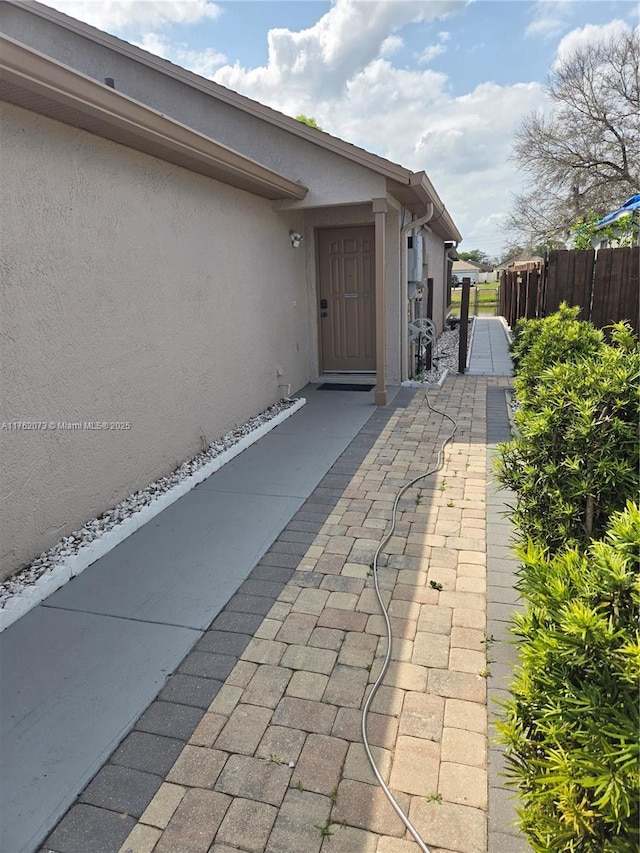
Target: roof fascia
[(215, 90), (421, 188), (53, 89)]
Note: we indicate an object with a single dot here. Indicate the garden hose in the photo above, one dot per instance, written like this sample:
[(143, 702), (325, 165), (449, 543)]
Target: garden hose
[(439, 463)]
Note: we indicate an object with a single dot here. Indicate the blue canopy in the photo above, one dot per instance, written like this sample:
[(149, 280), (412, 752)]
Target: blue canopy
[(629, 206)]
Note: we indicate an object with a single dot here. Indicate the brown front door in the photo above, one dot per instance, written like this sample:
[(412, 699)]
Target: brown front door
[(347, 307)]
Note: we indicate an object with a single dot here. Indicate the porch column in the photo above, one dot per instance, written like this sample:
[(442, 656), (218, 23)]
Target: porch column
[(380, 207)]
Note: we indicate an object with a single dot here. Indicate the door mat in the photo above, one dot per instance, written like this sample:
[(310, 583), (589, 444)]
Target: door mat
[(344, 386)]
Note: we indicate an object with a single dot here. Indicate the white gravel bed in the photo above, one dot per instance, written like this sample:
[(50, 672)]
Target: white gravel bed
[(53, 568), (444, 359)]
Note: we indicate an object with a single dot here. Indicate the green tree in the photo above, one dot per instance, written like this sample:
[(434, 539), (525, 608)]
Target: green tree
[(475, 255), (620, 233), (308, 120)]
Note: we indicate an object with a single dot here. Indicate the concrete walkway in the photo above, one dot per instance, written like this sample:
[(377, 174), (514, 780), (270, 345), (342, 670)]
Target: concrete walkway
[(489, 352), (253, 743), (79, 670)]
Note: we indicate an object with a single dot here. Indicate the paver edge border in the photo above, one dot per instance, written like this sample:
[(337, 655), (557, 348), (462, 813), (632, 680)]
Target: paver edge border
[(429, 386), (21, 603), (470, 342), (507, 330)]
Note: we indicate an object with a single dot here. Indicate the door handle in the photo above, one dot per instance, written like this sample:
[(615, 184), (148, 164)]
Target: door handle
[(324, 314)]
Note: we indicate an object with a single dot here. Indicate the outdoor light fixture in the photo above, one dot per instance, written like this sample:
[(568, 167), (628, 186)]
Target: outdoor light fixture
[(296, 238)]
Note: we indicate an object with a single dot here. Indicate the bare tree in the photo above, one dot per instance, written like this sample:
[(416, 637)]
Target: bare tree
[(584, 155)]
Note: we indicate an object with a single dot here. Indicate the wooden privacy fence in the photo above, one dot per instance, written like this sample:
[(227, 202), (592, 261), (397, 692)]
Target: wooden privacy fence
[(605, 284)]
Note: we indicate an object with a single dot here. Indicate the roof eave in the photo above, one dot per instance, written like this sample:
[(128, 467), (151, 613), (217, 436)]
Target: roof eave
[(413, 189), (209, 87), (38, 83)]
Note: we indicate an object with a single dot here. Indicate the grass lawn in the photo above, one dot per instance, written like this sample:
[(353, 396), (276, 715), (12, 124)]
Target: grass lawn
[(485, 294)]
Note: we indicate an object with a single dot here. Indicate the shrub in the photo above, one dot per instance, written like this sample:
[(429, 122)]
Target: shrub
[(540, 344), (571, 726), (525, 331), (575, 461)]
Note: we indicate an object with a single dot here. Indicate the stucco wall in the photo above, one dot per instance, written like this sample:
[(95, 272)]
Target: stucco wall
[(331, 179), (436, 270), (133, 291)]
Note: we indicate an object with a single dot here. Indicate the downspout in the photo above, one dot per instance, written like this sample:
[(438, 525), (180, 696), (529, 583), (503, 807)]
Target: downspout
[(404, 289), (450, 244)]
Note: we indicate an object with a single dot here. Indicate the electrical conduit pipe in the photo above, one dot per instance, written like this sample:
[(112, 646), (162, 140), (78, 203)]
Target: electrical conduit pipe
[(404, 287)]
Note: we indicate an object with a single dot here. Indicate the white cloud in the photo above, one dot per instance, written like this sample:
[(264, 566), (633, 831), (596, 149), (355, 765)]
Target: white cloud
[(341, 72), (433, 50), (546, 27), (464, 144), (319, 60), (391, 45), (549, 18), (589, 34), (137, 14), (203, 62), (430, 52), (352, 88)]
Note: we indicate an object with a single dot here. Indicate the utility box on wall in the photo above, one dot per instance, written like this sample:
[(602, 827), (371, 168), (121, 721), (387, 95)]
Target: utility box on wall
[(415, 258)]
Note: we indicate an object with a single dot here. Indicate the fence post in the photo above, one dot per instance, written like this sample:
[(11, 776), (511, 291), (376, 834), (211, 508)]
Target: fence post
[(513, 295), (522, 294), (532, 293), (464, 325), (504, 295), (542, 287), (504, 283)]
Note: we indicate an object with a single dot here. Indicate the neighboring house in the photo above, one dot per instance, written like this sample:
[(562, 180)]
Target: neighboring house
[(471, 270), (177, 257), (620, 227), (465, 269)]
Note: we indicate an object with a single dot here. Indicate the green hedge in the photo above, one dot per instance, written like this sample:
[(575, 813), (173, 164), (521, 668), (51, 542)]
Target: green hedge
[(571, 727), (559, 338), (575, 461)]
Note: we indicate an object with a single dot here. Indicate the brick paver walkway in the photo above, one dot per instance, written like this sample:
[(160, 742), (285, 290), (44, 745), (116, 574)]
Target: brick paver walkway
[(276, 762)]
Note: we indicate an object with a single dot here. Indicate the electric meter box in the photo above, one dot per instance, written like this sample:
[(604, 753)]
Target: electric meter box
[(415, 258)]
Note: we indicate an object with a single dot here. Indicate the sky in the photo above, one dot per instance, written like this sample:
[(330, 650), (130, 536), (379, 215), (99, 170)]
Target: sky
[(439, 85)]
